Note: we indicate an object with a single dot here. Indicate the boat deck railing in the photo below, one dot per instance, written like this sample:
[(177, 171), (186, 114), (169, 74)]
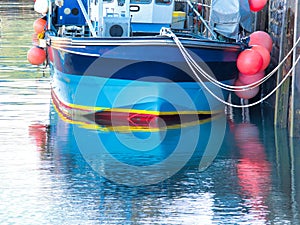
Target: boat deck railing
[(198, 14)]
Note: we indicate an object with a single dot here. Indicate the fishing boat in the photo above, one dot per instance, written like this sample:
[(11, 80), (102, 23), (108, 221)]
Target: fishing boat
[(140, 60)]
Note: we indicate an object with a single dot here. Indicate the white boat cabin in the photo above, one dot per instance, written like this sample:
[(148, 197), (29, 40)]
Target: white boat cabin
[(112, 18), (215, 19)]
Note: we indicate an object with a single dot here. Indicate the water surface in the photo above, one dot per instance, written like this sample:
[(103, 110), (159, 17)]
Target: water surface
[(49, 177)]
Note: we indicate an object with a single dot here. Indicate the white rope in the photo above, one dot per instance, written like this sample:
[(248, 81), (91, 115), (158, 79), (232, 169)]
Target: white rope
[(193, 65), (220, 84), (229, 87), (216, 82), (206, 75)]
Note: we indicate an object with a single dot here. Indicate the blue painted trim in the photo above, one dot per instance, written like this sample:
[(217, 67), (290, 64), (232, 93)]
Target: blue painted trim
[(146, 27)]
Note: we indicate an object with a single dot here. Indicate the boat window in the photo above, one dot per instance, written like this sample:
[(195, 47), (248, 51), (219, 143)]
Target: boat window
[(121, 2), (165, 2), (140, 1)]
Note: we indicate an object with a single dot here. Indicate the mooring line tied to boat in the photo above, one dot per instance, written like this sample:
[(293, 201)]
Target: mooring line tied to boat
[(196, 68)]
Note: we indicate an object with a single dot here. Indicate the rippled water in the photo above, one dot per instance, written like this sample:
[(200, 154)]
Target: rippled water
[(49, 177)]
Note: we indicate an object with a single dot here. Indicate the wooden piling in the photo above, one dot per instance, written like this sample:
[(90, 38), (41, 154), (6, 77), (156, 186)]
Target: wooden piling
[(287, 104), (295, 88), (283, 45)]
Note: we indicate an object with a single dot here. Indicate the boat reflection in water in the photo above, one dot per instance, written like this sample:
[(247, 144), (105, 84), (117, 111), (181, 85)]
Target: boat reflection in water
[(146, 149), (152, 176)]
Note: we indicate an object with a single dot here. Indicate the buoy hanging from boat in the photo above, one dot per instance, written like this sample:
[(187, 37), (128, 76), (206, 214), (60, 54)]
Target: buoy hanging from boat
[(36, 55), (39, 25), (41, 6), (249, 62), (265, 54), (250, 79), (257, 5), (245, 94), (261, 38)]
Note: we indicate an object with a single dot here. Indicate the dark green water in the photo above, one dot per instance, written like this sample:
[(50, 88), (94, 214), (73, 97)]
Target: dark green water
[(52, 173)]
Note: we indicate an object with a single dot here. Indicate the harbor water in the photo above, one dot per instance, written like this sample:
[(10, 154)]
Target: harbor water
[(233, 169)]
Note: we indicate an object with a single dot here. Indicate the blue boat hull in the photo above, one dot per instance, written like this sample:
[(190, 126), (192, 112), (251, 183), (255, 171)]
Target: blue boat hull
[(140, 75), (152, 59), (153, 97)]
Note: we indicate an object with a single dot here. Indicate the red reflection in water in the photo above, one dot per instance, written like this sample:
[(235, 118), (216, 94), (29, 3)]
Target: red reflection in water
[(111, 118), (39, 134), (126, 119), (253, 169)]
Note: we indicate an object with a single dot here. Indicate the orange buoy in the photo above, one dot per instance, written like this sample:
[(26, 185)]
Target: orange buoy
[(36, 55), (245, 94), (247, 79), (261, 38), (249, 62), (265, 54), (39, 25), (257, 5)]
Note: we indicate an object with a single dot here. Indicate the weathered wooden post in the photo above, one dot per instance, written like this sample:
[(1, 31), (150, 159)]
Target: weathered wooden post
[(295, 88), (282, 25)]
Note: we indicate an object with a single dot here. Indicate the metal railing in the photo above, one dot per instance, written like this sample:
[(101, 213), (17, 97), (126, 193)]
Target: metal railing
[(197, 16), (202, 10)]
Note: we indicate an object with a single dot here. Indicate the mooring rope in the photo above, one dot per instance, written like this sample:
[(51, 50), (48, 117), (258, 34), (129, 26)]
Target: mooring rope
[(194, 66), (230, 87), (187, 56)]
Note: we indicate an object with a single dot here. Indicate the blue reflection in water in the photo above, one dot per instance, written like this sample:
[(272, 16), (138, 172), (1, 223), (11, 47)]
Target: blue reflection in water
[(234, 189), (252, 179), (138, 158), (186, 197)]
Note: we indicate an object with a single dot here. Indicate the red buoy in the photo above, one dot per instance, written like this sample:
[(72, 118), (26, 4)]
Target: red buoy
[(246, 79), (257, 5), (265, 54), (36, 55), (39, 25), (249, 62), (247, 94), (261, 38)]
